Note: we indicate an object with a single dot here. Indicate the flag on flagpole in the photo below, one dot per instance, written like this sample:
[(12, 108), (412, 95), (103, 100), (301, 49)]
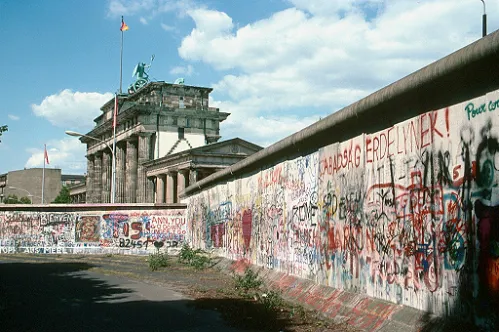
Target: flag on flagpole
[(45, 155), (124, 27), (115, 114)]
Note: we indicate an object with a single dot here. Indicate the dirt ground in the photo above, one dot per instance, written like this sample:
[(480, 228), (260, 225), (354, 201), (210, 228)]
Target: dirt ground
[(209, 288)]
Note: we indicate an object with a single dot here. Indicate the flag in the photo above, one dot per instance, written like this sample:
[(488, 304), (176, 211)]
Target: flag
[(45, 155), (115, 114), (124, 27)]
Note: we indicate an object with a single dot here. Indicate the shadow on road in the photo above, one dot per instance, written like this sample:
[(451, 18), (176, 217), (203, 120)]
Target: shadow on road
[(62, 297)]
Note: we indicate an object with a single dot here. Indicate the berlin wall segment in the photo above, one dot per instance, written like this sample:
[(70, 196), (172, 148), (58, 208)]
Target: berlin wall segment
[(129, 231), (409, 214)]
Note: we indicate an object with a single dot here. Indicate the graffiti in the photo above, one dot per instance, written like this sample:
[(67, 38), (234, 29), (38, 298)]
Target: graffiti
[(473, 111), (87, 229), (406, 138), (391, 214), (488, 262), (47, 233), (349, 158)]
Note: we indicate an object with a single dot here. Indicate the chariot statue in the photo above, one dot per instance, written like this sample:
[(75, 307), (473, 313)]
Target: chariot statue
[(140, 71)]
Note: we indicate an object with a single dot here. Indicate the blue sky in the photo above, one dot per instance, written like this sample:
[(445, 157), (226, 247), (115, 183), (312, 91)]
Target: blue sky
[(276, 65)]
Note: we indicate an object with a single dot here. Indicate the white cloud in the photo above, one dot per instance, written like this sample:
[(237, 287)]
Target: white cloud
[(13, 117), (167, 27), (321, 55), (67, 154), (179, 70), (72, 110), (143, 20)]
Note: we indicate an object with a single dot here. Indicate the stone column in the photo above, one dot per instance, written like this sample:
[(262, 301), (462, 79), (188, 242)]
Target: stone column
[(120, 172), (160, 188), (106, 176), (181, 177), (90, 178), (131, 170), (193, 176), (143, 156), (150, 190), (97, 185), (170, 187)]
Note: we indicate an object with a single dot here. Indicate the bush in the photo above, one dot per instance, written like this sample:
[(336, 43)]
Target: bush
[(271, 300), (193, 257), (248, 281), (157, 261)]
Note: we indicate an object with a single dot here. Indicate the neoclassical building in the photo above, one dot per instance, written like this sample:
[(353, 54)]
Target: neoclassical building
[(167, 138)]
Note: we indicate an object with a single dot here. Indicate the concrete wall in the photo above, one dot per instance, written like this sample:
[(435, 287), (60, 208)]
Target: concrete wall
[(90, 229), (31, 180), (408, 214)]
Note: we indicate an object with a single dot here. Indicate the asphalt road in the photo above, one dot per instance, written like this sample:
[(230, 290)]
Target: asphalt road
[(61, 296)]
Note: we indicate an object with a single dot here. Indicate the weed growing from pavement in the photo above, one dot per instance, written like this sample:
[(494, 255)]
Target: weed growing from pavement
[(157, 261), (247, 282), (271, 300), (194, 258)]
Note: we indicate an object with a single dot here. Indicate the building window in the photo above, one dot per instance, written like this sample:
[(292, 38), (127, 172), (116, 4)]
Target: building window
[(180, 133), (181, 102), (187, 123)]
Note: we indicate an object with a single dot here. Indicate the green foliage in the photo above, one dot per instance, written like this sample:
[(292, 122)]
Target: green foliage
[(194, 258), (248, 281), (3, 129), (157, 261), (24, 200), (13, 199), (63, 197), (271, 300)]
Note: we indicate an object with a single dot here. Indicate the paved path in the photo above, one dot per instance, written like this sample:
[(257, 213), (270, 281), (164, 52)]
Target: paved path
[(61, 296)]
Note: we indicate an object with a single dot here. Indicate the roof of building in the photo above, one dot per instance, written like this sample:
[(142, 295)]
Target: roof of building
[(148, 87), (206, 149), (65, 177)]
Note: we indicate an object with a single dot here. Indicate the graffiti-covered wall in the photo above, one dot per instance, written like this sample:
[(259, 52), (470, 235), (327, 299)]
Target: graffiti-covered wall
[(409, 214), (132, 231)]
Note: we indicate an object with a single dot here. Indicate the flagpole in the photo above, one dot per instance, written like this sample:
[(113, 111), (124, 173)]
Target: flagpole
[(113, 175), (121, 56), (43, 172)]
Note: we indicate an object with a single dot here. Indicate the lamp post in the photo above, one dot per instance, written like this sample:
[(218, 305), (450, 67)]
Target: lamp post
[(484, 20), (113, 176), (29, 194)]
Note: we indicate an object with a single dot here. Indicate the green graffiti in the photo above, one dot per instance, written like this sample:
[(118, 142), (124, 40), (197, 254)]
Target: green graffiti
[(472, 111)]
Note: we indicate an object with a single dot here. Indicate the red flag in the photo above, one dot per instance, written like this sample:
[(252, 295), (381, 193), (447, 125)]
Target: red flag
[(115, 110), (45, 155)]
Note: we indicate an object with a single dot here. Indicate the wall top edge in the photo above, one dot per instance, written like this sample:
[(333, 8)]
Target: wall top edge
[(87, 207)]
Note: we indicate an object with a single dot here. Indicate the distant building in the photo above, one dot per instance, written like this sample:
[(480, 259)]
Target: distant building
[(167, 138), (28, 183), (72, 180)]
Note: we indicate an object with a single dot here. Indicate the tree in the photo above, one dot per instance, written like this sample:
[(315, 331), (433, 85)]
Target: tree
[(24, 200), (2, 130), (12, 199), (63, 197)]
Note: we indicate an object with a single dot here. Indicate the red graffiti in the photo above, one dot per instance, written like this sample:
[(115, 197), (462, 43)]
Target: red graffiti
[(247, 226), (411, 137), (349, 158)]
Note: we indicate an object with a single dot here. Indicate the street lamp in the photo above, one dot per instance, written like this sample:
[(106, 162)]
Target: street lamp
[(29, 194), (484, 20), (113, 176)]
